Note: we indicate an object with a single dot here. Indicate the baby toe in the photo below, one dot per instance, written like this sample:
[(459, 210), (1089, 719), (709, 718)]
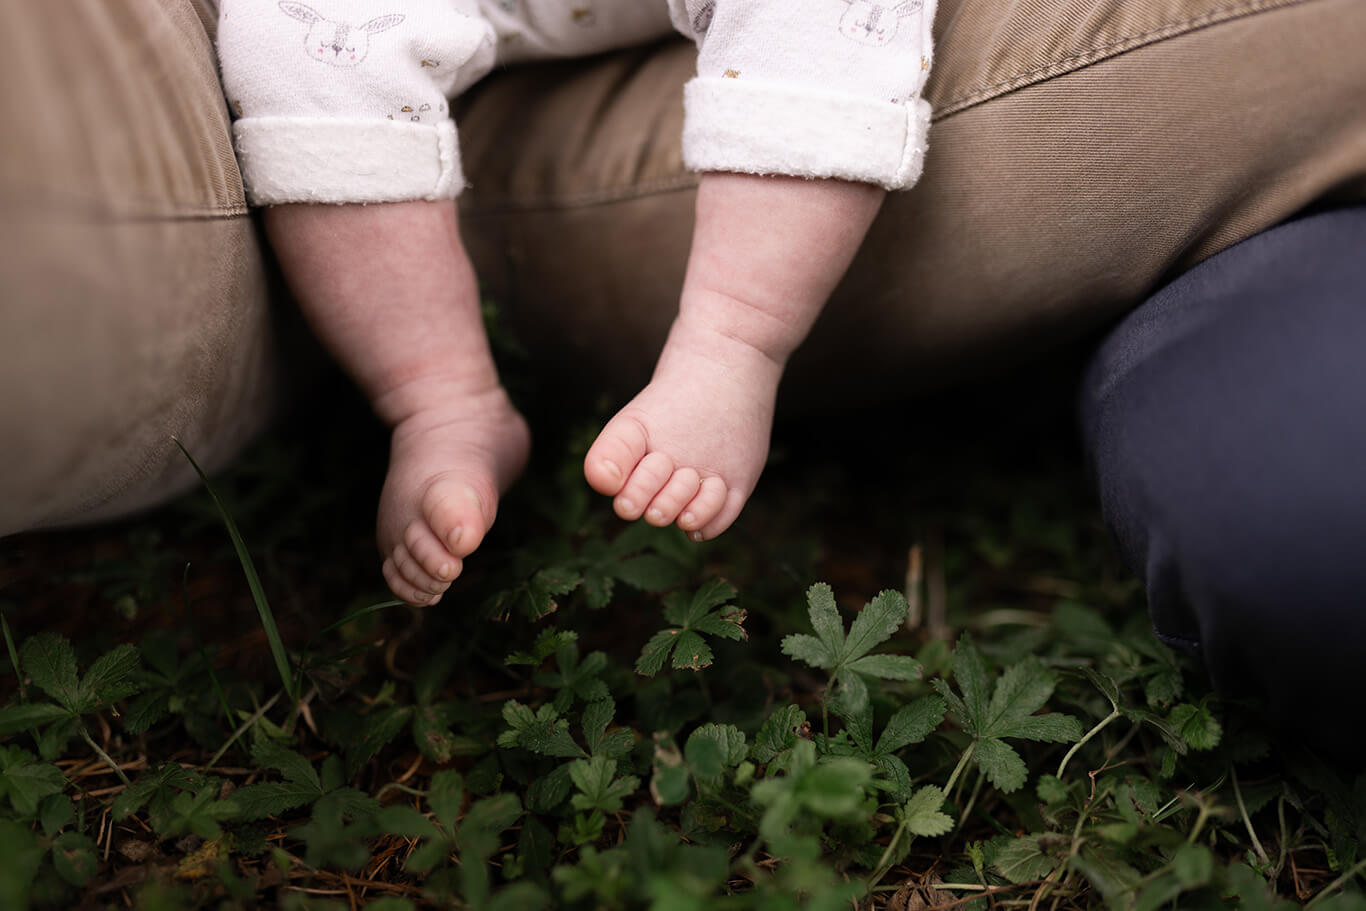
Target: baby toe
[(455, 513), (677, 493), (434, 559), (402, 588), (650, 476), (703, 508), (615, 454), (729, 512), (412, 572)]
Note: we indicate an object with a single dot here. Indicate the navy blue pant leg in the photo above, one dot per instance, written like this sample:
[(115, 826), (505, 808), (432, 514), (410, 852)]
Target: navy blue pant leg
[(1225, 420)]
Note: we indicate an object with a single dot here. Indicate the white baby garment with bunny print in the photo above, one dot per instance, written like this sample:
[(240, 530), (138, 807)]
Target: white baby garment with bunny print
[(349, 100)]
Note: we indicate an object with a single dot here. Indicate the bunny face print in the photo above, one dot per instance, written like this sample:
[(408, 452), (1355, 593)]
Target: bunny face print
[(875, 23), (335, 42)]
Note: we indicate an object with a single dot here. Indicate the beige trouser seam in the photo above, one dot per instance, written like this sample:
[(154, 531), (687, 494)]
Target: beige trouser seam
[(979, 95), (1107, 51)]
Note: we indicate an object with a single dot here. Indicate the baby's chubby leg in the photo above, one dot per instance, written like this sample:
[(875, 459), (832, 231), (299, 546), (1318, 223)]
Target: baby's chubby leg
[(767, 253), (388, 288)]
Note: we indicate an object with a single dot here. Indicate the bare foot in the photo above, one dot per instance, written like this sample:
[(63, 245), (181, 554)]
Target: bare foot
[(447, 467), (689, 448)]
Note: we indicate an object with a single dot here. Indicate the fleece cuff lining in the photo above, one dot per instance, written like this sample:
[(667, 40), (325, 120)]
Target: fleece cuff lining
[(771, 128), (327, 160)]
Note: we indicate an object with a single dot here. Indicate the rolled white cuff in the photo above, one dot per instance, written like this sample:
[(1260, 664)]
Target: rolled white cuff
[(326, 160), (770, 128)]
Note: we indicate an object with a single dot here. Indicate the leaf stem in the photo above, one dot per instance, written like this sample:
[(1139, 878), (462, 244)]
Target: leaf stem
[(103, 755), (885, 861), (825, 714), (1285, 838), (1200, 820), (1085, 739), (1247, 822), (972, 801), (958, 770), (245, 726)]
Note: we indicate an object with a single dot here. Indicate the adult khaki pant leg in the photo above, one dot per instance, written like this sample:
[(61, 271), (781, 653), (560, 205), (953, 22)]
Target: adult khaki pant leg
[(133, 302), (1080, 157)]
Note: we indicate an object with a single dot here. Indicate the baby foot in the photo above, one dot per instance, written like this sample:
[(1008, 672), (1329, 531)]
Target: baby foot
[(447, 467), (689, 448)]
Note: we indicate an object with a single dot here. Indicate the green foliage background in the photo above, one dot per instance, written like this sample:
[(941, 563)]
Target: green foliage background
[(607, 716)]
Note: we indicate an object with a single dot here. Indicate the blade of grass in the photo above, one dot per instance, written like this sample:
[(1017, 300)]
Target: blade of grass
[(13, 657), (277, 646), (356, 615)]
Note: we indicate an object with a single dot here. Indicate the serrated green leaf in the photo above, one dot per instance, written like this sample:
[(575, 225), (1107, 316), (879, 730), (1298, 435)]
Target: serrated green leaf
[(656, 650), (599, 787), (1022, 860), (374, 732), (712, 594), (548, 792), (1001, 764), (50, 663), (825, 620), (541, 732), (911, 724), (887, 667), (691, 652), (1020, 691), (272, 798), (970, 673), (727, 624), (16, 718), (1105, 683), (596, 716), (898, 783), (108, 678), (147, 710), (1196, 726), (445, 796), (809, 649), (1054, 728), (778, 733), (703, 613), (165, 780), (875, 624), (924, 813), (26, 781), (957, 709), (288, 763), (860, 727)]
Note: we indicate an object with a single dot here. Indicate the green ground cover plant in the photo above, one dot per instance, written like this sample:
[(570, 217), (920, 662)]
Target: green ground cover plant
[(852, 701)]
